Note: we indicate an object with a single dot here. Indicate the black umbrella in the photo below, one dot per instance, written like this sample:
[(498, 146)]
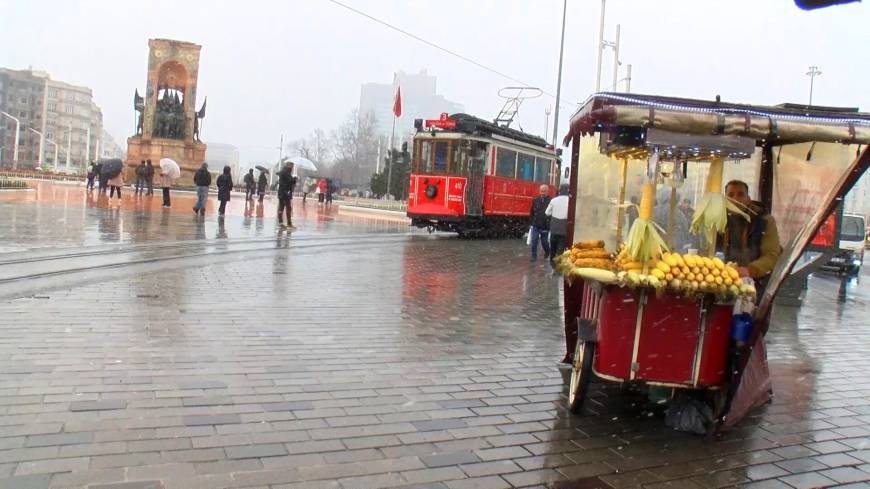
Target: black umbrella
[(262, 168), (112, 168)]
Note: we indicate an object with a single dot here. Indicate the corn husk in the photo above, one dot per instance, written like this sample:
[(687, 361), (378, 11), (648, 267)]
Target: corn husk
[(711, 215), (644, 242)]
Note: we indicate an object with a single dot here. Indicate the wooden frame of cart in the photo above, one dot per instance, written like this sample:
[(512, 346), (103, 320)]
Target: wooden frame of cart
[(797, 161)]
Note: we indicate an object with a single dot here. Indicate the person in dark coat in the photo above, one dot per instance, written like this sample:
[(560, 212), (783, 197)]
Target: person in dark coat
[(539, 223), (262, 183), (225, 186), (286, 186), (101, 179), (202, 180), (92, 173), (250, 185), (149, 177), (141, 177)]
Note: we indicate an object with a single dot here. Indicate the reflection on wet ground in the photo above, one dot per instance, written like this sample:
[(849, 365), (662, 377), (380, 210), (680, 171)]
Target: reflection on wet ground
[(58, 215), (354, 355)]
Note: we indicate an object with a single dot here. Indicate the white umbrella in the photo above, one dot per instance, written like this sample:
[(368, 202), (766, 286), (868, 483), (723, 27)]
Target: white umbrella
[(170, 167), (303, 163)]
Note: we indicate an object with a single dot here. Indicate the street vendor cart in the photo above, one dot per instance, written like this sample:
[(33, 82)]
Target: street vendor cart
[(652, 295)]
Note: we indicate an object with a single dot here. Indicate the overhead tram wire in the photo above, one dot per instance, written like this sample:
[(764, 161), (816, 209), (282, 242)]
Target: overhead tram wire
[(446, 50)]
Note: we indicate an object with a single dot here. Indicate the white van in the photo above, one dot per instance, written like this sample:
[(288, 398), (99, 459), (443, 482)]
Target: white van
[(850, 256)]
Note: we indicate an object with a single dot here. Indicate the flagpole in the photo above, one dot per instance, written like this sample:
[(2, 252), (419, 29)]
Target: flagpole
[(390, 169)]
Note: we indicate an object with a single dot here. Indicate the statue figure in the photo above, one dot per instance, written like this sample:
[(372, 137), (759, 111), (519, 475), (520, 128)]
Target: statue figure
[(139, 107)]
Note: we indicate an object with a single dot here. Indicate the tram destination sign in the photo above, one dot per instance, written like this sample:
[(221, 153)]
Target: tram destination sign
[(443, 122)]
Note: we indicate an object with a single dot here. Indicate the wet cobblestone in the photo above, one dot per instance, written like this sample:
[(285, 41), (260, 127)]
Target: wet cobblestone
[(424, 362)]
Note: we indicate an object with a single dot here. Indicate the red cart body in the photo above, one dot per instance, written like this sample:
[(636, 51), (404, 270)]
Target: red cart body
[(660, 340)]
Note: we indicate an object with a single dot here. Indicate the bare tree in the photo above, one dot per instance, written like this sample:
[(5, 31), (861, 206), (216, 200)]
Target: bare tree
[(356, 147)]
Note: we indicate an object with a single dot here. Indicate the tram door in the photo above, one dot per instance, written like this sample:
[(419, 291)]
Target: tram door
[(474, 188)]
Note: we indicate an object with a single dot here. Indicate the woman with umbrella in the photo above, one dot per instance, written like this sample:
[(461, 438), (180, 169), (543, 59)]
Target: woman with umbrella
[(224, 185), (262, 182), (115, 183), (169, 171)]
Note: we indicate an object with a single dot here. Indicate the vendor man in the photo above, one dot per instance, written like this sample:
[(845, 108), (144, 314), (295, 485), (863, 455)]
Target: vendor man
[(754, 244)]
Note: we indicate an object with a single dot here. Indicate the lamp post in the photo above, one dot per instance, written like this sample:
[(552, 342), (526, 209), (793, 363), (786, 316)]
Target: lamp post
[(14, 146), (68, 145), (41, 140), (559, 76), (813, 73), (55, 153)]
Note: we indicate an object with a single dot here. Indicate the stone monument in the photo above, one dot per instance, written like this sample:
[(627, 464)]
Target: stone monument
[(167, 121)]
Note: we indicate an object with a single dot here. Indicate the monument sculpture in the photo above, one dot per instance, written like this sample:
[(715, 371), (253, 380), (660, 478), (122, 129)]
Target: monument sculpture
[(167, 121)]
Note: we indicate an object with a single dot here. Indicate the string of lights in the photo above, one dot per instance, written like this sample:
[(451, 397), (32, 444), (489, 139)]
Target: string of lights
[(446, 50)]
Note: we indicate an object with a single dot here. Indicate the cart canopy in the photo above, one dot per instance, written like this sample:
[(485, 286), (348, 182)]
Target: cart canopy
[(781, 124)]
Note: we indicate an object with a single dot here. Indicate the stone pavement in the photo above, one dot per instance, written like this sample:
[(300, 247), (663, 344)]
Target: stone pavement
[(397, 361)]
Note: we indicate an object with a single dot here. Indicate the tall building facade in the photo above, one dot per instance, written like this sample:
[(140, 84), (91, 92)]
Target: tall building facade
[(420, 100), (70, 122)]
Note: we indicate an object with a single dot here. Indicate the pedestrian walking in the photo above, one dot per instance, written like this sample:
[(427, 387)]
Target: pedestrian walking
[(224, 186), (557, 211), (330, 189), (92, 173), (321, 191), (101, 179), (539, 223), (202, 180), (262, 182), (166, 183), (140, 177), (115, 183), (149, 177), (250, 185), (306, 188), (286, 186)]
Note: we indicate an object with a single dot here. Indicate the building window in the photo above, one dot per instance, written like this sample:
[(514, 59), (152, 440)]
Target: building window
[(52, 93), (68, 109), (23, 100), (52, 106)]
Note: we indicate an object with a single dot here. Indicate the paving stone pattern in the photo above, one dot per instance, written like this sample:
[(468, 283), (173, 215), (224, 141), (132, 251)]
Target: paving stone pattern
[(425, 363)]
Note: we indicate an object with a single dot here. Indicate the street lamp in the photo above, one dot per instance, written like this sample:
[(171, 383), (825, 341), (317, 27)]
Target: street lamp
[(15, 146), (41, 139), (813, 73), (55, 153)]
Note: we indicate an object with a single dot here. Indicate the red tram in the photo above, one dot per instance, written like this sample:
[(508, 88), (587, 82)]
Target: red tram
[(476, 178)]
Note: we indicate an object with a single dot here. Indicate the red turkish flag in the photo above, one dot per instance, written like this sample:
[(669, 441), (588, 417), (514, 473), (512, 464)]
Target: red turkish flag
[(397, 104)]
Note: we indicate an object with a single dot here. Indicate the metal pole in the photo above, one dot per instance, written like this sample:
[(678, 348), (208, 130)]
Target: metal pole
[(68, 143), (616, 58), (628, 79), (390, 169), (600, 47), (41, 139), (813, 73), (17, 135), (559, 76), (378, 161), (87, 149), (547, 123), (55, 155)]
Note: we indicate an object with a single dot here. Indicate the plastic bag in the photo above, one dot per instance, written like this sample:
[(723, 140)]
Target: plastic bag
[(529, 237), (687, 414)]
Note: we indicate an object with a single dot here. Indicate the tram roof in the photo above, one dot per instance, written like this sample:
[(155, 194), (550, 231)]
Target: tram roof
[(784, 123), (469, 124)]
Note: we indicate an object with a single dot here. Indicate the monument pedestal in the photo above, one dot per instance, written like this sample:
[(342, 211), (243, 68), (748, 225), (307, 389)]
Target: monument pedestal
[(188, 155)]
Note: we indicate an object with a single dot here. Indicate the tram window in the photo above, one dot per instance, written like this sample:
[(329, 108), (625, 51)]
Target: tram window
[(458, 160), (505, 163), (441, 150), (425, 156), (542, 170), (526, 167)]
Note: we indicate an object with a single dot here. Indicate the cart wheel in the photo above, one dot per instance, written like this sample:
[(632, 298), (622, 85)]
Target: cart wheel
[(581, 374)]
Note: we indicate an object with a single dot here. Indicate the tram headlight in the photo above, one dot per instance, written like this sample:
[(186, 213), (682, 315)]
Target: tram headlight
[(431, 191)]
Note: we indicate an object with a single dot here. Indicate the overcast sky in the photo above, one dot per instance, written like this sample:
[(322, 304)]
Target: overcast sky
[(289, 67)]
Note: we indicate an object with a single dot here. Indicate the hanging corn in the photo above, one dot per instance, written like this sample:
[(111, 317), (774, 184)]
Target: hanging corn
[(644, 242), (711, 216)]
